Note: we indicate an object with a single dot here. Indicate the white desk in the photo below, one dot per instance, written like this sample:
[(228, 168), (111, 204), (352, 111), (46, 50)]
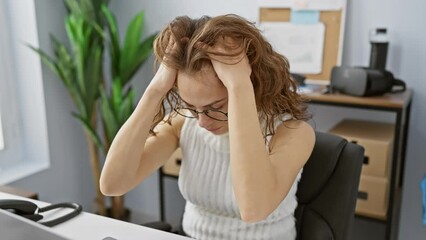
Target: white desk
[(92, 226)]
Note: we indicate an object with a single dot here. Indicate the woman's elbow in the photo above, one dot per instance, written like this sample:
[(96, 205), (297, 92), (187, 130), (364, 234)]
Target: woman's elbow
[(107, 188)]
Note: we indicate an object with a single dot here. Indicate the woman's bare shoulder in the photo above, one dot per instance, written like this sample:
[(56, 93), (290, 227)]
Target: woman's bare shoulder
[(294, 132)]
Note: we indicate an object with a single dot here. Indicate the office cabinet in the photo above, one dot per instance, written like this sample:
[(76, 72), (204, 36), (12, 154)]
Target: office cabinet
[(373, 193), (400, 105), (377, 139)]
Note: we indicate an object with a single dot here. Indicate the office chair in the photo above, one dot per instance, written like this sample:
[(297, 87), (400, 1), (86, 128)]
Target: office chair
[(327, 190)]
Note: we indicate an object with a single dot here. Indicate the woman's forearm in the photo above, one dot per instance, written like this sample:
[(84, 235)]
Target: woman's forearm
[(253, 177), (123, 158)]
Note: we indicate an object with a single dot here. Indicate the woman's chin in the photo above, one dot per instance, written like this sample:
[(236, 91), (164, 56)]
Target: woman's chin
[(219, 131)]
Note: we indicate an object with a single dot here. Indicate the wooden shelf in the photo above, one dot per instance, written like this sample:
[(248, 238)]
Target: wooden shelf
[(389, 100)]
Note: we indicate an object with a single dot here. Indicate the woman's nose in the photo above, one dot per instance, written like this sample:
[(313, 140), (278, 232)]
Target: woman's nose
[(203, 120)]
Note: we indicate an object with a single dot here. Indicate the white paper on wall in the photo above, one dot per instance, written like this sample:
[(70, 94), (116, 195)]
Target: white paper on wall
[(322, 5), (302, 44)]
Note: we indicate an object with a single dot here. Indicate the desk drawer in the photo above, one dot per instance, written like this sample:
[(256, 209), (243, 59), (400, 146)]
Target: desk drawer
[(172, 165), (377, 156), (377, 140), (372, 198)]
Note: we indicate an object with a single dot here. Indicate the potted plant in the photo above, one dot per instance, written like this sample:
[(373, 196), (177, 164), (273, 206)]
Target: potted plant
[(98, 93), (118, 105)]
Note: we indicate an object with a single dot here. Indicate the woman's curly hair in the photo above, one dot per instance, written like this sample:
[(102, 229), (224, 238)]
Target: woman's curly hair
[(275, 90)]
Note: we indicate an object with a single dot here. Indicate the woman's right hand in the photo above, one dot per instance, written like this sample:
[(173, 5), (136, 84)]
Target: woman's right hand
[(165, 77)]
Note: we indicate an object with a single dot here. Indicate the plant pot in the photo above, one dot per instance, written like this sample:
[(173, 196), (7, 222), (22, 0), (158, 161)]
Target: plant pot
[(125, 217)]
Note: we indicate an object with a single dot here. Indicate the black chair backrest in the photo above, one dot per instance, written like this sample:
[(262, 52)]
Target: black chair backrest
[(327, 190)]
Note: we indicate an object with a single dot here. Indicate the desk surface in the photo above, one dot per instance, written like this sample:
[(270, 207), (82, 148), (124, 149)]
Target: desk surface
[(389, 100), (91, 226)]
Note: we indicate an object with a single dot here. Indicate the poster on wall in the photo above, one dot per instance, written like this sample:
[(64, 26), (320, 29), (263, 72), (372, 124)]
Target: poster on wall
[(302, 45)]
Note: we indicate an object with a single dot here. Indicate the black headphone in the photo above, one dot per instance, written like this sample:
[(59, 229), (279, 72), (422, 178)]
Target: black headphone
[(31, 211)]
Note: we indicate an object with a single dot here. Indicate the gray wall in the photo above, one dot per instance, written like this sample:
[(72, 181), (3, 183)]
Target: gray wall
[(405, 21), (70, 178)]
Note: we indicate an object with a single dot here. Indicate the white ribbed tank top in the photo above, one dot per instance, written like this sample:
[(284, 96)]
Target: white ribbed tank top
[(211, 210)]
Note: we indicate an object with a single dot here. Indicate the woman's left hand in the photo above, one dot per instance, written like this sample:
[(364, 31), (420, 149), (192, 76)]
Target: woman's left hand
[(232, 70)]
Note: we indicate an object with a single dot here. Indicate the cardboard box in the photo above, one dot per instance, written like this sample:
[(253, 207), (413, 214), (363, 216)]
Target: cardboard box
[(377, 140), (172, 166), (372, 198)]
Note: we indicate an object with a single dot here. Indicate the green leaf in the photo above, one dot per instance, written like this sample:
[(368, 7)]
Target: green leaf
[(48, 61), (143, 52), (72, 26), (80, 103), (61, 72), (114, 43), (131, 41), (93, 75), (89, 129), (109, 121), (97, 4), (126, 107), (116, 96), (87, 9), (73, 7), (64, 62)]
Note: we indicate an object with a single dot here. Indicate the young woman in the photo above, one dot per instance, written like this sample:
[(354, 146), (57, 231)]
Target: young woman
[(225, 97)]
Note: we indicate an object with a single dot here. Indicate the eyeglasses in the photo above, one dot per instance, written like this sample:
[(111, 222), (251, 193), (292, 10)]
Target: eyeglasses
[(193, 113)]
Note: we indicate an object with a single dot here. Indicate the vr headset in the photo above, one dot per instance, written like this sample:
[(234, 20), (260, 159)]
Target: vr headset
[(361, 81)]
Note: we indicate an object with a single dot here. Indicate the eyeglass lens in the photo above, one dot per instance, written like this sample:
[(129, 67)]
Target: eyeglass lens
[(192, 113)]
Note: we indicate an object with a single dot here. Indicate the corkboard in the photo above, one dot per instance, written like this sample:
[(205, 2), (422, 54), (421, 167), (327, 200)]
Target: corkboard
[(332, 43)]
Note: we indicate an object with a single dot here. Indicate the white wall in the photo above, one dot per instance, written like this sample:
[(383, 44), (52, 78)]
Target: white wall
[(407, 55)]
